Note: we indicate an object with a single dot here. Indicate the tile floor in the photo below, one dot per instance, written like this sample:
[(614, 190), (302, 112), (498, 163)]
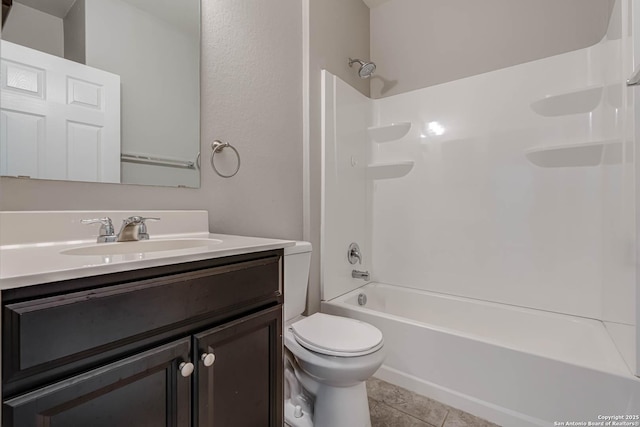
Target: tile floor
[(393, 406)]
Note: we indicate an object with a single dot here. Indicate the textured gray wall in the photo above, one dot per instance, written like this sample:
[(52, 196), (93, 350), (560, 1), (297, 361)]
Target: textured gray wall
[(251, 97), (420, 43)]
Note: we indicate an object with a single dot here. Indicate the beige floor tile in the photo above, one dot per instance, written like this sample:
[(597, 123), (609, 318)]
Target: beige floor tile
[(383, 415), (457, 418), (405, 401)]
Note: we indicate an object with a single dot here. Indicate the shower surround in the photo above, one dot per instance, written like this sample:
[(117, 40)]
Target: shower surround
[(515, 187)]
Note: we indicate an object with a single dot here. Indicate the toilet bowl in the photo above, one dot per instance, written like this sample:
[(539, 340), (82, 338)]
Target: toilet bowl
[(329, 358)]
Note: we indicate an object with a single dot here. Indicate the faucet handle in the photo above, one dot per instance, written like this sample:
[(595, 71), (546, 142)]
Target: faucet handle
[(149, 219), (138, 220), (107, 232), (142, 232), (106, 222), (354, 255)]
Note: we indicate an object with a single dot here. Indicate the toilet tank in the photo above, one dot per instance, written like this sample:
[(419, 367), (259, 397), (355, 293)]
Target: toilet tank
[(297, 260)]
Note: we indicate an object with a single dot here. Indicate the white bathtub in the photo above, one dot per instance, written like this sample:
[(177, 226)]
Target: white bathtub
[(513, 366)]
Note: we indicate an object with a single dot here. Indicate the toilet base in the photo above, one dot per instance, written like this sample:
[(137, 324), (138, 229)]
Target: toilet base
[(295, 417), (333, 407), (342, 407)]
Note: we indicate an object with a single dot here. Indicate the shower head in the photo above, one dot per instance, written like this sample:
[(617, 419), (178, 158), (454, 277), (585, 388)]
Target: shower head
[(366, 68)]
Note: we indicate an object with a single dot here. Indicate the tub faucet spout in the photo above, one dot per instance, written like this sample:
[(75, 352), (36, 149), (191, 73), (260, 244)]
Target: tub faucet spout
[(356, 274)]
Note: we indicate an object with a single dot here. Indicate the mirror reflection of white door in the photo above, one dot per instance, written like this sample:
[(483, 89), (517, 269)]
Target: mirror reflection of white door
[(60, 119)]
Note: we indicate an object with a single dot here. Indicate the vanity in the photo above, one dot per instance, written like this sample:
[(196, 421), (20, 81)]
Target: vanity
[(169, 334)]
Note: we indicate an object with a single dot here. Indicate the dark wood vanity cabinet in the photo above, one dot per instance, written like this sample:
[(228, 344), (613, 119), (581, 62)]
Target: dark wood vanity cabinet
[(142, 390), (115, 350), (243, 387)]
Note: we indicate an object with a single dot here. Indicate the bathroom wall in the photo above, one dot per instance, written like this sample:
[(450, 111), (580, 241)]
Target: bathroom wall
[(570, 26), (487, 211), (251, 96), (513, 186), (418, 43), (490, 210), (337, 30), (37, 30)]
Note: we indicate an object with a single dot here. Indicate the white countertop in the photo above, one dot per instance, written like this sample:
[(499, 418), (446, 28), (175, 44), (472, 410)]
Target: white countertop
[(29, 262)]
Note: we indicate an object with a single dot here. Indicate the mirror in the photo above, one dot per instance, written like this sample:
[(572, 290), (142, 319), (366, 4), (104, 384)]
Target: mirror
[(101, 91)]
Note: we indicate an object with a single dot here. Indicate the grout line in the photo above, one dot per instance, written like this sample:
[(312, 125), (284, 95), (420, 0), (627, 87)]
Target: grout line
[(449, 408), (444, 421), (410, 415), (407, 414)]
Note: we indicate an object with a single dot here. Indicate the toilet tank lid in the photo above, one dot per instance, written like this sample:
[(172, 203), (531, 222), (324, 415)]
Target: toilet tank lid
[(298, 248)]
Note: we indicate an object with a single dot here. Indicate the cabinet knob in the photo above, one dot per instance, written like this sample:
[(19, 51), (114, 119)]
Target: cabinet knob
[(208, 359), (186, 369)]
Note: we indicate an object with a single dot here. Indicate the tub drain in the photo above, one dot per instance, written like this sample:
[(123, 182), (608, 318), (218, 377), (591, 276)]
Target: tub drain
[(362, 299)]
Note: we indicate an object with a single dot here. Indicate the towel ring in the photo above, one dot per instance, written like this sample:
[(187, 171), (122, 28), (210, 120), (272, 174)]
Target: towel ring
[(216, 147)]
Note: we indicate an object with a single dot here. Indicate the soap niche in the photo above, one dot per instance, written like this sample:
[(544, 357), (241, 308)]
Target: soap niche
[(577, 155), (578, 101), (389, 170), (389, 133)]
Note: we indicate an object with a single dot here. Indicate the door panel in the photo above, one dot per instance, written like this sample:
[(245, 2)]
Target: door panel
[(66, 96), (27, 156), (243, 387), (143, 390)]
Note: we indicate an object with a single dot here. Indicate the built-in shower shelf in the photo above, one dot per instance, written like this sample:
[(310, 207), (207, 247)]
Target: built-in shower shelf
[(574, 102), (576, 155), (389, 170), (389, 133)]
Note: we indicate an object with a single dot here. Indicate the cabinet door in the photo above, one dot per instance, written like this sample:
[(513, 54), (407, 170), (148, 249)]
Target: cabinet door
[(142, 390), (243, 386)]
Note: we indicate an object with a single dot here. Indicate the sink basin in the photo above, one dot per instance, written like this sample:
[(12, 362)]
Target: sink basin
[(143, 246)]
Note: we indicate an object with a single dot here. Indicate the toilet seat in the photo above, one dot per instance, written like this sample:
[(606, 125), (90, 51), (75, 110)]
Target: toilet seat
[(336, 336)]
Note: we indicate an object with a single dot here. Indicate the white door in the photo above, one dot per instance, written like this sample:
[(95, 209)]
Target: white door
[(60, 119)]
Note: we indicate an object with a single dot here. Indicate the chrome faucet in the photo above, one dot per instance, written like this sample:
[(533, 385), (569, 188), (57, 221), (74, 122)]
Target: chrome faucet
[(106, 233), (357, 274), (134, 228)]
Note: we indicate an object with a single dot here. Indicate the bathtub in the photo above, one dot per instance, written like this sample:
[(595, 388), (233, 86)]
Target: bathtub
[(510, 365)]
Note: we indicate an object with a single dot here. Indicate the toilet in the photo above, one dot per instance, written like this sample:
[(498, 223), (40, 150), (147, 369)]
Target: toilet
[(328, 358)]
